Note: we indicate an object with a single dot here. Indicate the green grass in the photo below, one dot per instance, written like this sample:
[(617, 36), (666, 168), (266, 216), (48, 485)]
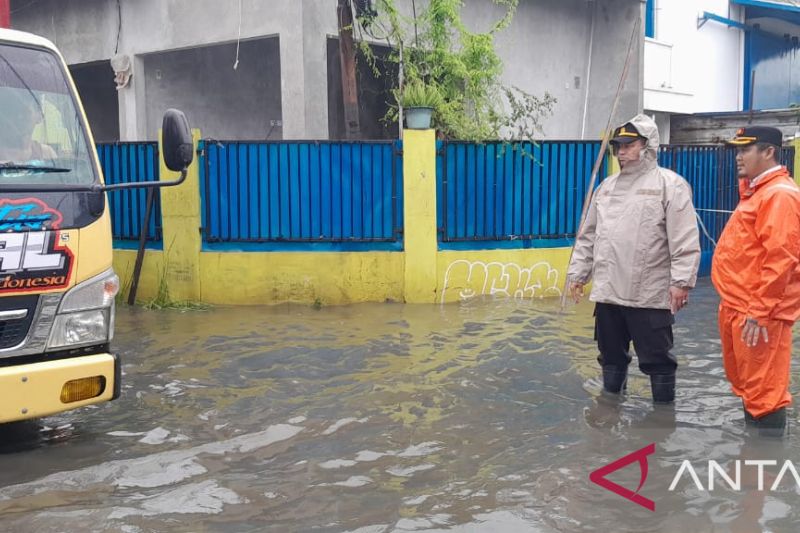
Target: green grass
[(125, 283), (162, 299)]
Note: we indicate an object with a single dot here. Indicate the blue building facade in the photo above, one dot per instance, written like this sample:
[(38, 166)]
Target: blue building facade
[(772, 54)]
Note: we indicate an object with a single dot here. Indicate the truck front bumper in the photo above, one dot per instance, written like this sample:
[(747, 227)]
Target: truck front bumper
[(40, 389)]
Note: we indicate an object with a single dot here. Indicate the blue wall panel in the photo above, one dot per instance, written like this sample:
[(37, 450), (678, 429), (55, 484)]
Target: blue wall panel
[(301, 192), (512, 191), (125, 163)]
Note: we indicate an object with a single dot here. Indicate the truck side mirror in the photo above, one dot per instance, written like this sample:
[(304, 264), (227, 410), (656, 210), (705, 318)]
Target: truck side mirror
[(176, 140)]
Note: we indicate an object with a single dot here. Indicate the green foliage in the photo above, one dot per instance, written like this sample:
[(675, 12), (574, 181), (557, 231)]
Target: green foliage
[(126, 281), (524, 111), (162, 298), (434, 49), (418, 94)]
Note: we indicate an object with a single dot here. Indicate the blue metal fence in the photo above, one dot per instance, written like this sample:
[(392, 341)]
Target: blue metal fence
[(287, 191), (504, 192), (340, 192), (711, 171), (512, 191), (124, 162)]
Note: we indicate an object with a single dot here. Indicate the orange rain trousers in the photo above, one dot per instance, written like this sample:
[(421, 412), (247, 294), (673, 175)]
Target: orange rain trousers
[(758, 374)]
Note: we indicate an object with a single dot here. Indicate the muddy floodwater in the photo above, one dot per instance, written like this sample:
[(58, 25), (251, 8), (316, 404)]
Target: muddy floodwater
[(479, 416)]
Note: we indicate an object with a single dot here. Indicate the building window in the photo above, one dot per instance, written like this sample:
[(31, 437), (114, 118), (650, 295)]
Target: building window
[(650, 19)]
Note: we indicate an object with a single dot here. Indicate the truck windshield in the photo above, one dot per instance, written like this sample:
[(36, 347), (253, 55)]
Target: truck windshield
[(43, 140)]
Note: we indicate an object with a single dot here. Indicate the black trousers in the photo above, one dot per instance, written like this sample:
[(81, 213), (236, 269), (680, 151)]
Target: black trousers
[(615, 326)]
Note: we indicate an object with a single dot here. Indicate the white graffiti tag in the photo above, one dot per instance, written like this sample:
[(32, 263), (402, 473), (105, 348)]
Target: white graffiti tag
[(473, 278)]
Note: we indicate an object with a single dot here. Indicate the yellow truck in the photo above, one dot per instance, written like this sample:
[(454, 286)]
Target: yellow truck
[(57, 285)]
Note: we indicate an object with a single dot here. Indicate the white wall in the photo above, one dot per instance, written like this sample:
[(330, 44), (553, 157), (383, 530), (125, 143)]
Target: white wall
[(546, 48), (689, 69)]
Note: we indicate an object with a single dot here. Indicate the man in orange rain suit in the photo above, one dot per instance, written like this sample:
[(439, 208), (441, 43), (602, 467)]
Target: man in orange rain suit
[(756, 271)]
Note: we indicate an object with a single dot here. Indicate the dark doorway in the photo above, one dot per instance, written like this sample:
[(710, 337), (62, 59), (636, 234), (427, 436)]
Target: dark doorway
[(374, 93), (98, 92)]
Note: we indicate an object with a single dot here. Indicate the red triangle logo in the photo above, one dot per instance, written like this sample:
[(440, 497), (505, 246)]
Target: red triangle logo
[(640, 456)]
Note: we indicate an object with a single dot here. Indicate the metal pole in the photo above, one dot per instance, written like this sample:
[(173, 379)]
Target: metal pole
[(400, 80), (601, 155), (347, 60), (587, 81), (137, 268)]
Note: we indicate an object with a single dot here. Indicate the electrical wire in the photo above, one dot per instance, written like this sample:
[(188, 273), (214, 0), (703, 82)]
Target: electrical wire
[(239, 38), (714, 210), (26, 6), (703, 227), (119, 25)]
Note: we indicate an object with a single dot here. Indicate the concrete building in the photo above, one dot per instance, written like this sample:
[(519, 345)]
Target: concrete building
[(257, 69), (711, 57)]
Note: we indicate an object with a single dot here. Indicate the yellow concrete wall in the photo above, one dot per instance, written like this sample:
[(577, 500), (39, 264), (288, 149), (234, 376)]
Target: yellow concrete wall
[(335, 278), (332, 278), (530, 273), (258, 278), (419, 274), (796, 170), (180, 219), (613, 166), (328, 278), (152, 271), (419, 215)]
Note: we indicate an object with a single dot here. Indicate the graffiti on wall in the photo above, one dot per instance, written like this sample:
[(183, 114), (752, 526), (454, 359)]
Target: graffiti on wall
[(474, 278)]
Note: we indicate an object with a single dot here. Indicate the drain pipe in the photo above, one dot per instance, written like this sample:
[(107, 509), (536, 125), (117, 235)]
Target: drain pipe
[(588, 71)]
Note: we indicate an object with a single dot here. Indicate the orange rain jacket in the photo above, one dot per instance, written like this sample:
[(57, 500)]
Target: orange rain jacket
[(756, 265)]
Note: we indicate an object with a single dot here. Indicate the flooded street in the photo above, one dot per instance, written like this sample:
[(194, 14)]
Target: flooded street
[(480, 416)]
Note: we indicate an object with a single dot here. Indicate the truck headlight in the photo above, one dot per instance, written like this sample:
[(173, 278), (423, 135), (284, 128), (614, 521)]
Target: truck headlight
[(82, 327), (86, 313)]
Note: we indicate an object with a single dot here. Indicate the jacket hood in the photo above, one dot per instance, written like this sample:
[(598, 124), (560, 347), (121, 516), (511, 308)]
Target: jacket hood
[(647, 128)]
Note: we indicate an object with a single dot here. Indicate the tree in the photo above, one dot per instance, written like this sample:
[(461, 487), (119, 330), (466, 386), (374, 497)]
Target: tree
[(433, 47)]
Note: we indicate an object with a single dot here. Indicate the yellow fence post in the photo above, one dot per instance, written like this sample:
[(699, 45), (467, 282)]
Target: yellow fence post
[(419, 215), (613, 165), (796, 170), (180, 215)]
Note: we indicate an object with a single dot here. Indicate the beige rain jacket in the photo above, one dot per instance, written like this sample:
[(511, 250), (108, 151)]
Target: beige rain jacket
[(640, 235)]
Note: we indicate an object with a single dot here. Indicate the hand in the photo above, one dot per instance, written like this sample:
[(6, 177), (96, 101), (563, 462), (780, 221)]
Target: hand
[(751, 332), (576, 291), (678, 299)]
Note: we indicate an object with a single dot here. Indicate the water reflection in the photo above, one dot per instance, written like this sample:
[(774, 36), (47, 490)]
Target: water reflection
[(482, 416)]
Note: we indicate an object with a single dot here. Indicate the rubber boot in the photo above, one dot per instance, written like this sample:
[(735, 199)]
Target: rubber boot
[(749, 420), (663, 388), (614, 380), (772, 424)]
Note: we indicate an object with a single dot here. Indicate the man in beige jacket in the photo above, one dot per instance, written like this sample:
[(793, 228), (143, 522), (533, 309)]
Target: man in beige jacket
[(640, 247)]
